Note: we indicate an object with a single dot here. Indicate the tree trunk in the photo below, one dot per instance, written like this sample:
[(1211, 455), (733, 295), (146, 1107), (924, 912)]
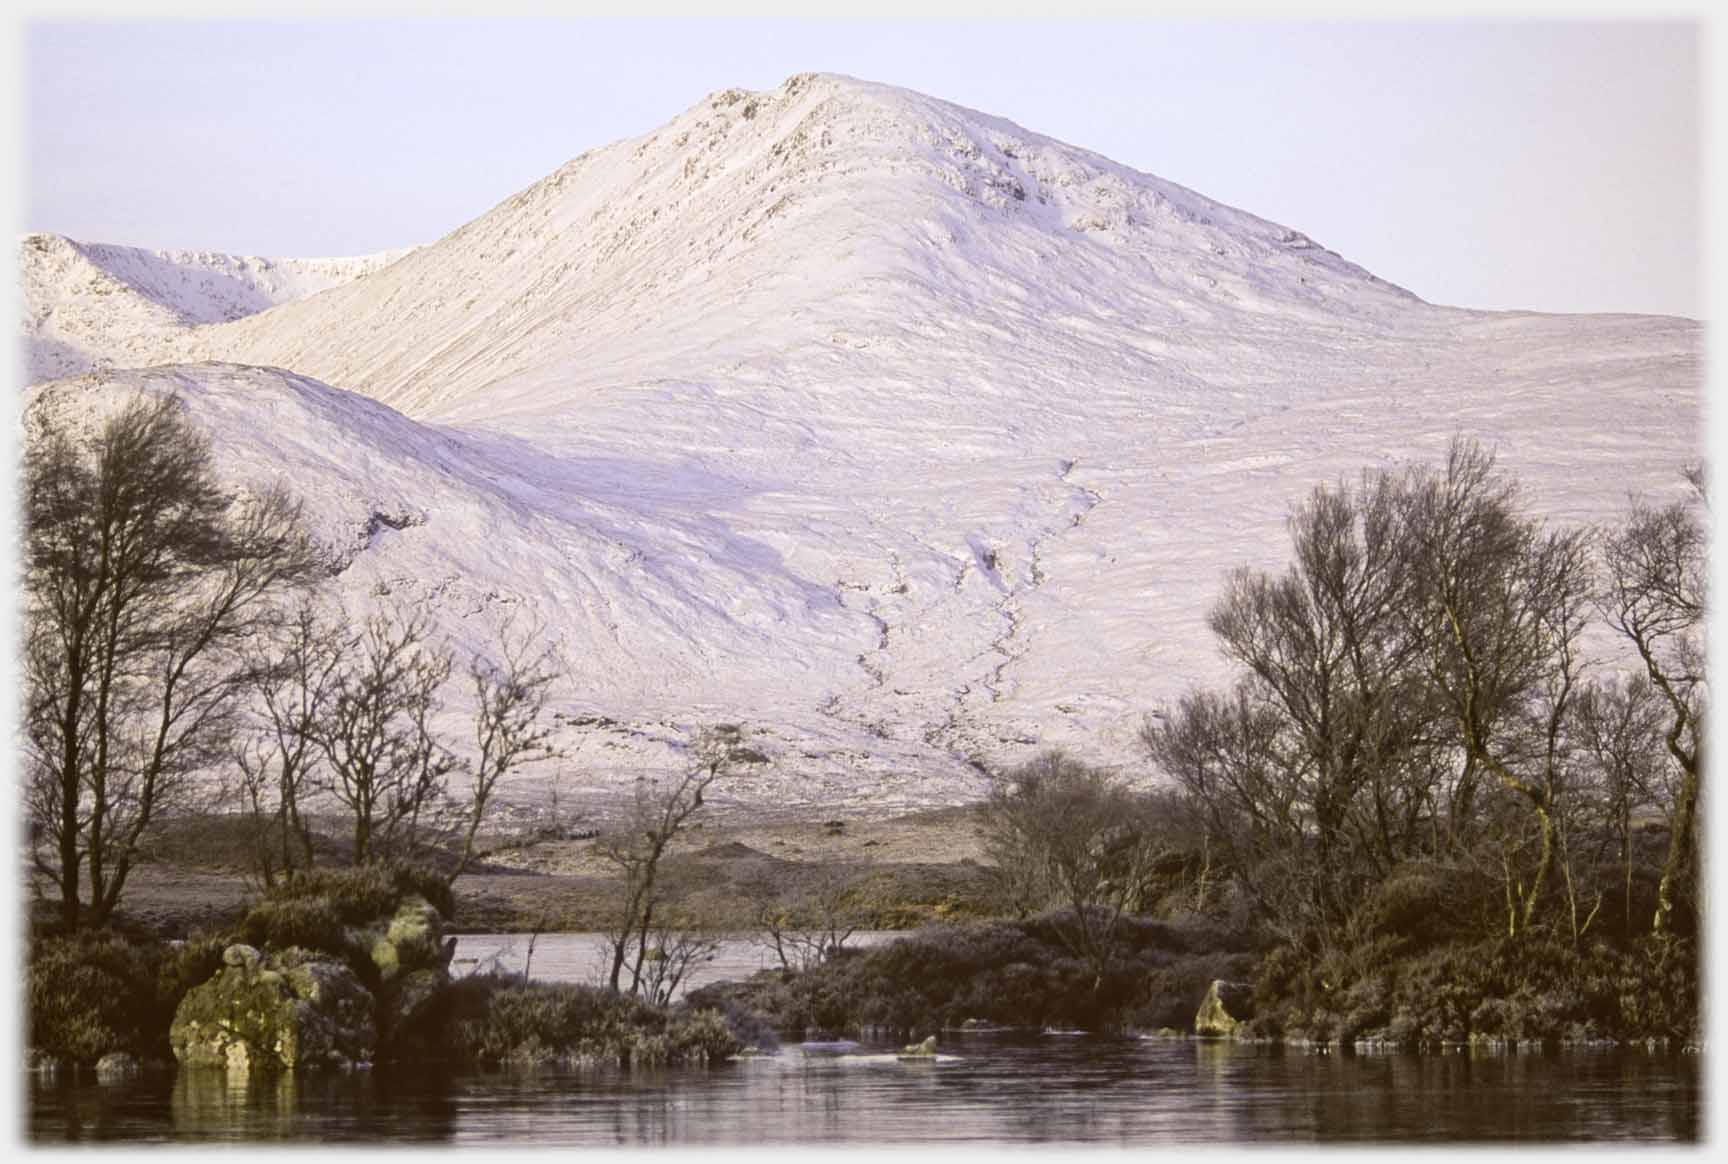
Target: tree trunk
[(1678, 864), (1544, 864)]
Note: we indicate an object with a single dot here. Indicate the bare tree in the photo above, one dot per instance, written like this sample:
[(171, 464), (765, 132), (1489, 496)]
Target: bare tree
[(145, 587), (349, 715), (1320, 771), (1229, 756), (1327, 649), (388, 769), (1500, 605), (1424, 646), (670, 956), (1620, 729), (1655, 598), (636, 848), (809, 927), (1083, 839), (279, 765), (510, 698)]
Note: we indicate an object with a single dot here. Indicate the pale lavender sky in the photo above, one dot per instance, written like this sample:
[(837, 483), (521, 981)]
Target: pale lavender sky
[(1552, 166)]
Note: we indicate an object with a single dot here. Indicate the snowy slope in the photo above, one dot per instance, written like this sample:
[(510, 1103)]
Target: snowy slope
[(642, 590), (89, 304), (890, 428)]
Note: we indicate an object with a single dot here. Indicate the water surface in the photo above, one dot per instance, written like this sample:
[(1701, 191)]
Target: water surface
[(584, 957), (1010, 1087)]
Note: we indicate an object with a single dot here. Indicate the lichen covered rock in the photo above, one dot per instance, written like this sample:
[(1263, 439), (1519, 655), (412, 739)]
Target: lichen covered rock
[(412, 960), (1226, 1006), (413, 939), (286, 1011), (241, 955)]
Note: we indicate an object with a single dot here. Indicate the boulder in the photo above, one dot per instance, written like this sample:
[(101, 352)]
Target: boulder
[(412, 957), (383, 995), (243, 956), (924, 1050), (1226, 1006), (283, 1012), (412, 940), (116, 1066)]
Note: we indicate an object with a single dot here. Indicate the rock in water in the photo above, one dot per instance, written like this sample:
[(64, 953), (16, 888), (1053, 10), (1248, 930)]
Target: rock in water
[(1226, 1006), (924, 1050), (116, 1067), (285, 1011)]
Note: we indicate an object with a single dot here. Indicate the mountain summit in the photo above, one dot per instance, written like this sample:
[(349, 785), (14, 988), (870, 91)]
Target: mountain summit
[(905, 436), (756, 225)]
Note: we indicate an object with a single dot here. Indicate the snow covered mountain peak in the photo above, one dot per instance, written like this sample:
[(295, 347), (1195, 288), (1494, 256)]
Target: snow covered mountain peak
[(754, 223), (849, 128)]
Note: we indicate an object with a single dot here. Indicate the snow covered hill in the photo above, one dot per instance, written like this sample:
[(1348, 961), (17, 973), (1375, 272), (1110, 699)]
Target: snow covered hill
[(761, 232), (89, 304), (893, 430)]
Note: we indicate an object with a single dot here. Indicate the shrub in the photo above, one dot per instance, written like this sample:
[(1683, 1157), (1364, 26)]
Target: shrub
[(190, 964), (1434, 998), (1655, 989), (702, 1036), (1013, 973), (1425, 905), (1364, 1009), (94, 992), (1524, 989), (497, 1018), (369, 891), (307, 922), (729, 1000)]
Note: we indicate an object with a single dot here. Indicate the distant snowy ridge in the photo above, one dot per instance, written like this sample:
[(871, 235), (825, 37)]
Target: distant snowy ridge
[(901, 435), (89, 304)]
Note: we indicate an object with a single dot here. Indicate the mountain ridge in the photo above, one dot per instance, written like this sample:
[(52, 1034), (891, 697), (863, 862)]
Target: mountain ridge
[(78, 295), (720, 203)]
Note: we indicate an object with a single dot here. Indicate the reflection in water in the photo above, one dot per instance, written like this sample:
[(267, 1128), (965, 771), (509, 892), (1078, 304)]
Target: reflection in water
[(192, 1105), (1460, 1096), (206, 1103), (1001, 1087)]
